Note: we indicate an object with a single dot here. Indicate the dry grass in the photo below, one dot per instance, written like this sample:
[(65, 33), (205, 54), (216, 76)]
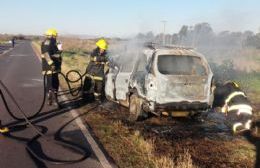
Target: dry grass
[(5, 37), (85, 46), (247, 60), (244, 59), (242, 153), (70, 44), (129, 149), (185, 161), (37, 46), (76, 62)]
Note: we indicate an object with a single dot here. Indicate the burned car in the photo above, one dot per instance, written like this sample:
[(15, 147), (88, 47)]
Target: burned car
[(170, 80)]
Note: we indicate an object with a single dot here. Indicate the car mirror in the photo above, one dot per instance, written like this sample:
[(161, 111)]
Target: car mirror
[(114, 69)]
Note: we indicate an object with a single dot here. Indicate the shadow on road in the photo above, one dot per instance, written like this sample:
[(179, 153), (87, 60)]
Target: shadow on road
[(74, 103), (67, 138)]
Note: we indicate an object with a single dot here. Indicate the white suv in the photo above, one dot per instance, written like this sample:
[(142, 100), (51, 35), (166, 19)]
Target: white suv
[(161, 80)]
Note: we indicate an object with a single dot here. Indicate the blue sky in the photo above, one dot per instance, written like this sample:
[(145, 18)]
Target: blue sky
[(125, 17)]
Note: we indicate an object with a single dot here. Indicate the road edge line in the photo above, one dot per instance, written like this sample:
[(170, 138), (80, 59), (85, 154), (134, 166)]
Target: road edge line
[(7, 51), (85, 131)]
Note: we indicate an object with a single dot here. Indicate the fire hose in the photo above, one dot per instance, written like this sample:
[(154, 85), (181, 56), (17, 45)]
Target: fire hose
[(41, 133)]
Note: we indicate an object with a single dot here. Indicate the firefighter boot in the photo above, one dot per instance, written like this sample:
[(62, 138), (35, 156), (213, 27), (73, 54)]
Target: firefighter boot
[(50, 97), (97, 97), (240, 127), (3, 130), (56, 101), (243, 124)]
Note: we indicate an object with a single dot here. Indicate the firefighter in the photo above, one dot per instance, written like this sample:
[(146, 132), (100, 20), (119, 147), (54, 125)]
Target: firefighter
[(13, 41), (51, 64), (235, 104), (96, 68)]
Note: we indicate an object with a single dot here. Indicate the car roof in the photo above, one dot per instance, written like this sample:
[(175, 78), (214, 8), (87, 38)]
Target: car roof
[(170, 50)]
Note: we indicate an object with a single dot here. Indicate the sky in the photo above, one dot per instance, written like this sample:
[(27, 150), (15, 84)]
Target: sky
[(123, 18)]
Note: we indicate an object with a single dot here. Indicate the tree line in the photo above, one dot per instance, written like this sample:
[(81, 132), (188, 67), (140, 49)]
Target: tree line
[(203, 37)]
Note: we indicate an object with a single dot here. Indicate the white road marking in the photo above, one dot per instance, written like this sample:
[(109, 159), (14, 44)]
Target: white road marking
[(5, 52), (37, 80), (32, 83), (19, 55), (94, 146), (85, 130), (28, 85)]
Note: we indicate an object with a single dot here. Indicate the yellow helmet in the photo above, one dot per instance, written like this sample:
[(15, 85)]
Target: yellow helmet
[(102, 44), (51, 32)]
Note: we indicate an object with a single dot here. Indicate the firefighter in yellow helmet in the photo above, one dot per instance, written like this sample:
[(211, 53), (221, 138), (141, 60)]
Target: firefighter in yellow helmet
[(51, 63), (96, 66)]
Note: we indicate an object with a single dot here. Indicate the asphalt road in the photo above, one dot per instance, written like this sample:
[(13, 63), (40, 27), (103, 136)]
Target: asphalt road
[(20, 70)]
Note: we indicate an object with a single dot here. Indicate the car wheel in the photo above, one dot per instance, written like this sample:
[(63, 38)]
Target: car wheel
[(135, 108), (199, 116)]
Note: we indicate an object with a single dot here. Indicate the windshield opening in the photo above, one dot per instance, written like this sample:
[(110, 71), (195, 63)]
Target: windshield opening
[(180, 65)]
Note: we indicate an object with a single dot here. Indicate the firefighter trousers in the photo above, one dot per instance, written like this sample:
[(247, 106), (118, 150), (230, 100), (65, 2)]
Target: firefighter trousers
[(99, 90), (53, 82)]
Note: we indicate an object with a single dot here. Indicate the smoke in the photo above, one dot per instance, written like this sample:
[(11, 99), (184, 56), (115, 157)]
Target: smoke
[(226, 51), (230, 54), (125, 52)]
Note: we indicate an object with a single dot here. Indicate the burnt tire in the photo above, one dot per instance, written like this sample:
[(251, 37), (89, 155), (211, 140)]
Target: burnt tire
[(135, 108), (199, 116)]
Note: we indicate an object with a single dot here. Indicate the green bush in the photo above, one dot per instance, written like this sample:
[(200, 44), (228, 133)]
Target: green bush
[(224, 71), (249, 81)]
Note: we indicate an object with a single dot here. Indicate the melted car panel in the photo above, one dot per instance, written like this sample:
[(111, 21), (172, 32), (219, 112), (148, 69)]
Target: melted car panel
[(163, 76)]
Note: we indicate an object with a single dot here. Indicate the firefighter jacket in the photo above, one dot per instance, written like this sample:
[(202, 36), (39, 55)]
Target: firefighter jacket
[(96, 65), (230, 97), (51, 56)]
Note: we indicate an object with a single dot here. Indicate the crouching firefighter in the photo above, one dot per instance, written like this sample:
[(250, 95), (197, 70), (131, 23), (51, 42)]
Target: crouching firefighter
[(96, 70), (235, 104), (51, 64)]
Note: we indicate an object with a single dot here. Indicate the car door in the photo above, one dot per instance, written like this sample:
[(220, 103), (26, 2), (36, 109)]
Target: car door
[(110, 83), (122, 80)]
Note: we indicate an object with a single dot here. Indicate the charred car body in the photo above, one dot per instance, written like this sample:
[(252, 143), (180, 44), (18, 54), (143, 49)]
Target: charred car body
[(160, 79)]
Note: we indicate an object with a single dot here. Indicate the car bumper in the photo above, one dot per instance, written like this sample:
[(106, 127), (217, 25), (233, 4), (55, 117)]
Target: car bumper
[(182, 106)]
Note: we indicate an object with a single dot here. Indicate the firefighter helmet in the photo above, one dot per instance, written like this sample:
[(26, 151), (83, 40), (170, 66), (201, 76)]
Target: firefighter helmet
[(51, 32), (232, 83), (102, 44)]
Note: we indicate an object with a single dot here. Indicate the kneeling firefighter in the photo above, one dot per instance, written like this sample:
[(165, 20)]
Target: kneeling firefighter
[(51, 63), (235, 104), (96, 70)]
